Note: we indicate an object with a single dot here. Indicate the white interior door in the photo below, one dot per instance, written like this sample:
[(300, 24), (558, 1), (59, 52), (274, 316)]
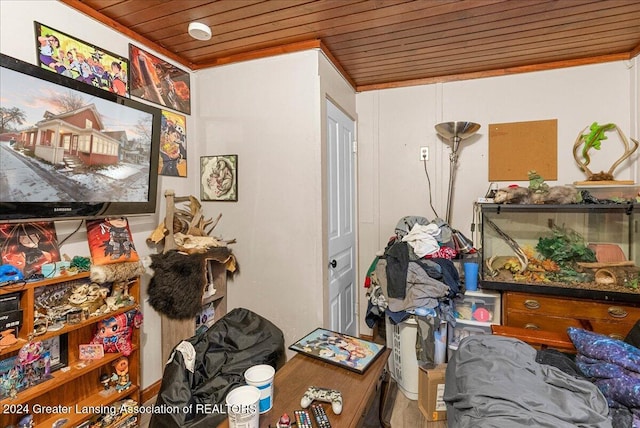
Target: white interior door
[(341, 233)]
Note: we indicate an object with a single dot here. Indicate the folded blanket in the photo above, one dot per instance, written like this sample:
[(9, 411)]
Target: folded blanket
[(613, 365), (604, 348)]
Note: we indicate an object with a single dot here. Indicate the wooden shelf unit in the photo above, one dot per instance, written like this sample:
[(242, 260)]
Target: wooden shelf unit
[(78, 384)]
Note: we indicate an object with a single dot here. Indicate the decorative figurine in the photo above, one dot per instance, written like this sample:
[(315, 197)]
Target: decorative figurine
[(121, 376), (284, 421), (7, 338), (26, 422), (105, 380)]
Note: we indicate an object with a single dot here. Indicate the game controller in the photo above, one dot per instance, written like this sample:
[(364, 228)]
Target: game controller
[(323, 394), (10, 273)]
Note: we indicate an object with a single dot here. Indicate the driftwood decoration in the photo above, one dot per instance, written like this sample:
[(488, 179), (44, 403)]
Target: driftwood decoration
[(185, 228), (592, 140), (519, 252)]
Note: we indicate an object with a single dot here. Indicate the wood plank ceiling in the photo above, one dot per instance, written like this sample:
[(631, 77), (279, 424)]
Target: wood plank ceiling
[(386, 43)]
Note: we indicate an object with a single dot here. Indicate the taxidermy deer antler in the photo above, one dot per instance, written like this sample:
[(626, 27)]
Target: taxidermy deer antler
[(186, 225), (593, 140)]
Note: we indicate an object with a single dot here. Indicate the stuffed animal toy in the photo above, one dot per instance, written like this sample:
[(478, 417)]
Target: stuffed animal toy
[(115, 272)]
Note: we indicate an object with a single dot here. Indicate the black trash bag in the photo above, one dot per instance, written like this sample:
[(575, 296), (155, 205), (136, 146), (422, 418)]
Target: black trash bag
[(234, 343)]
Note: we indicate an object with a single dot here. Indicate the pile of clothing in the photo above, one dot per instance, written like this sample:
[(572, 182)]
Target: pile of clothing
[(415, 276)]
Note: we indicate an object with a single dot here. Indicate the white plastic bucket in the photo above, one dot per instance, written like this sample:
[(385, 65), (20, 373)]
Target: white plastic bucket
[(242, 407), (261, 376)]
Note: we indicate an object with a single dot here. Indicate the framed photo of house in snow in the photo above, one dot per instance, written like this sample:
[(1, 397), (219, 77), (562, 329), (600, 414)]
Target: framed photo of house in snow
[(81, 61), (78, 151), (340, 349)]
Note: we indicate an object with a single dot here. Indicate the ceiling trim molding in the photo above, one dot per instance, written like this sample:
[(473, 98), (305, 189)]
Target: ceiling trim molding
[(261, 53), (635, 52), (81, 7), (498, 72)]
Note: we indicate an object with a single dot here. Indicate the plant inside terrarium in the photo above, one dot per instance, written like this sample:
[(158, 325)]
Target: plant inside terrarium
[(566, 248)]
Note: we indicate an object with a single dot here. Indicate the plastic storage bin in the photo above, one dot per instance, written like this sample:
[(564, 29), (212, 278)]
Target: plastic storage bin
[(403, 362), (481, 306), (464, 329)]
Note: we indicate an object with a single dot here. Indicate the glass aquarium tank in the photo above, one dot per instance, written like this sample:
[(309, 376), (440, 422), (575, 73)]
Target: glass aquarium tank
[(593, 247)]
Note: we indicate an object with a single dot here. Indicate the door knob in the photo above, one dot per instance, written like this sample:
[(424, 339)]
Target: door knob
[(333, 263)]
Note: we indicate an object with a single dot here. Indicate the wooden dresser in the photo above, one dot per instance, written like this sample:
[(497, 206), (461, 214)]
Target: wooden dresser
[(557, 313)]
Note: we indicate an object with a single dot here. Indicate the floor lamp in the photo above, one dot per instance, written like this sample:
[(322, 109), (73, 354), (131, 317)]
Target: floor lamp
[(454, 132)]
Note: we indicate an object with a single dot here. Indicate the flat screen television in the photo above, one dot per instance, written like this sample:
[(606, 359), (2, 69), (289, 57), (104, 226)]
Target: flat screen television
[(69, 150)]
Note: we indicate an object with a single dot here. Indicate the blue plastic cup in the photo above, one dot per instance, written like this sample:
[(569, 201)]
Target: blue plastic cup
[(471, 276)]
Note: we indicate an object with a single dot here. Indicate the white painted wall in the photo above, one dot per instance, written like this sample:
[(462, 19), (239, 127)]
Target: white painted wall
[(17, 39), (270, 113), (394, 123)]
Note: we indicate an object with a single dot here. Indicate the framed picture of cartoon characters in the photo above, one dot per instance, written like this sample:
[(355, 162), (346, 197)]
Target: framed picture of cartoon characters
[(341, 349), (173, 145), (66, 55), (28, 246)]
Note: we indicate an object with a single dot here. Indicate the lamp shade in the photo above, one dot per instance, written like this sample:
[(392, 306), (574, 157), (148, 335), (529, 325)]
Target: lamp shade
[(199, 31), (451, 130)]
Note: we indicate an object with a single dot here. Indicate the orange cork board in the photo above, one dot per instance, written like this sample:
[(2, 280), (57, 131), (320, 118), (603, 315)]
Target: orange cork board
[(518, 147)]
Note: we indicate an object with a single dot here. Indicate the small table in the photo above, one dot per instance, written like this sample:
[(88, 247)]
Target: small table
[(301, 372)]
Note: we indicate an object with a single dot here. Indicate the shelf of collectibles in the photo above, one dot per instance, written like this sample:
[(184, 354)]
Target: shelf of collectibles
[(76, 350)]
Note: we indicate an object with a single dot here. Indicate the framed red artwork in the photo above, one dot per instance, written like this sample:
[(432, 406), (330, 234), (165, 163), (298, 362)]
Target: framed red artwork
[(27, 246)]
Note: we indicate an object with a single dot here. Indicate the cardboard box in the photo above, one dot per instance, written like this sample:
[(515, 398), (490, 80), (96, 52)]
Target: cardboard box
[(431, 391)]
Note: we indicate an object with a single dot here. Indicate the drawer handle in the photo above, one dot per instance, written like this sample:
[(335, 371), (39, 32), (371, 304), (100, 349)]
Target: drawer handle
[(616, 336), (531, 304), (617, 312), (531, 326)]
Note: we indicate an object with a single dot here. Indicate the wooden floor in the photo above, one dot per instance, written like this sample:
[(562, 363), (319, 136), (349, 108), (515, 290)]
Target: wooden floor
[(405, 415)]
